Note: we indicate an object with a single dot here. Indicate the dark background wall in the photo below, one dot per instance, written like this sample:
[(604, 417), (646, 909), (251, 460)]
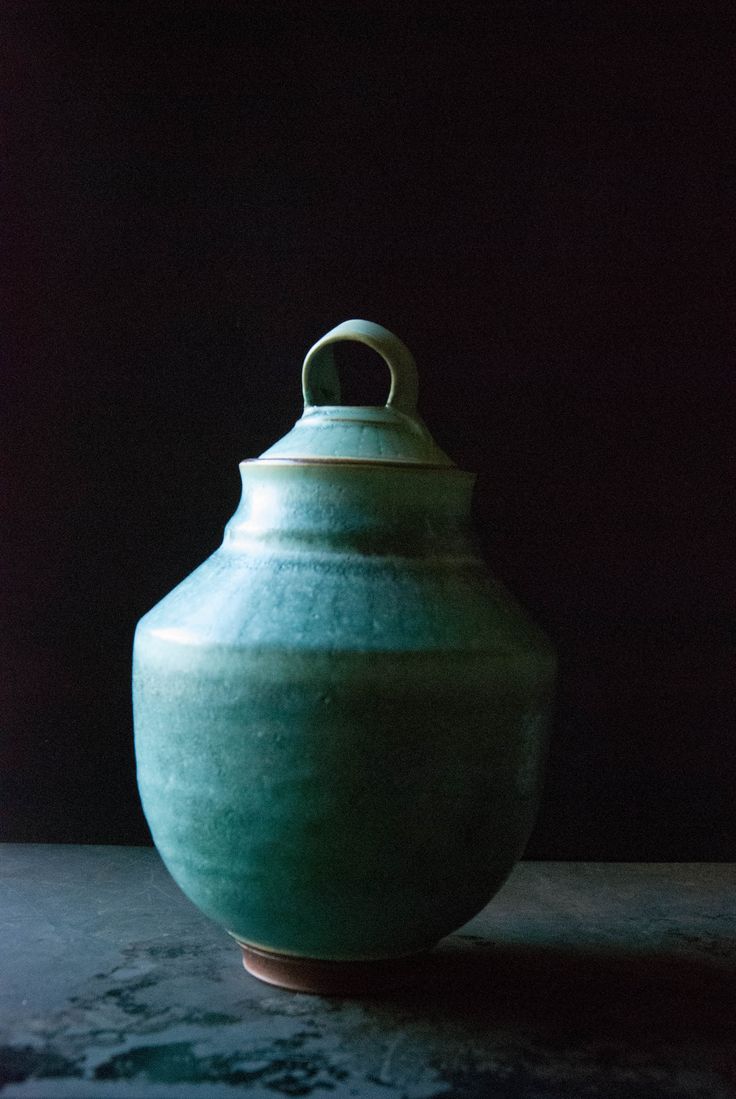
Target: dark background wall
[(537, 197)]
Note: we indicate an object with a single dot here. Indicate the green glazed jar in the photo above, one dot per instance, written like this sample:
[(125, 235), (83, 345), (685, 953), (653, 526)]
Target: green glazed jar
[(340, 716)]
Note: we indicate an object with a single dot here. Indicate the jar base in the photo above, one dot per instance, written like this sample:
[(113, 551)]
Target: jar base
[(330, 978)]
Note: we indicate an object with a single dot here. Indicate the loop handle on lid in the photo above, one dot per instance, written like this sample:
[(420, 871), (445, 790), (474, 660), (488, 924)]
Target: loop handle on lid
[(320, 382)]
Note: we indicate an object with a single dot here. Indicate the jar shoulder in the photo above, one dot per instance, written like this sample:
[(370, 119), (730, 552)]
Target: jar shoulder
[(343, 601)]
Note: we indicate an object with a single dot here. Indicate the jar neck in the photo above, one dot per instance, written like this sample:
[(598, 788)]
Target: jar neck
[(333, 507)]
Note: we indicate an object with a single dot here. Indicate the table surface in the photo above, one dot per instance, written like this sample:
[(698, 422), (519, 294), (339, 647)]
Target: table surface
[(578, 981)]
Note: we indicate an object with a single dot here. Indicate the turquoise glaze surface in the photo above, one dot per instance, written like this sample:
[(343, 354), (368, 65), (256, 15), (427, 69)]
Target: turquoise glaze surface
[(340, 717)]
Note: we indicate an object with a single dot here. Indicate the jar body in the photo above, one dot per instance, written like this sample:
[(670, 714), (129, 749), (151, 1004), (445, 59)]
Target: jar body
[(340, 717)]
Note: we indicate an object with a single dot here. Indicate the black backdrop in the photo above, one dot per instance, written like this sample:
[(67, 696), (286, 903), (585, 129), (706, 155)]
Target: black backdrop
[(537, 197)]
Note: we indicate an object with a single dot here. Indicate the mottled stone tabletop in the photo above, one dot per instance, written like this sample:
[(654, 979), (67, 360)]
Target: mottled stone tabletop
[(579, 980)]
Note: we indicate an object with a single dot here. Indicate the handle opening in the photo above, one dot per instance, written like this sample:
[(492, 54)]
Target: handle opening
[(320, 381)]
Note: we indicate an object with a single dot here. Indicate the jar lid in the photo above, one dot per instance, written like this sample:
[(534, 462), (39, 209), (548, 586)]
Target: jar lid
[(331, 432)]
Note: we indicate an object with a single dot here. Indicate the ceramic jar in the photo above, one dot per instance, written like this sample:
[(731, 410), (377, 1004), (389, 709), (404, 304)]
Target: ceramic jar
[(340, 716)]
